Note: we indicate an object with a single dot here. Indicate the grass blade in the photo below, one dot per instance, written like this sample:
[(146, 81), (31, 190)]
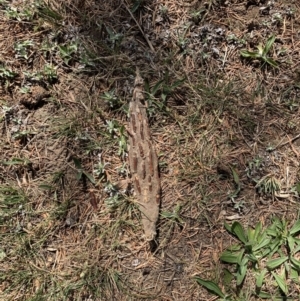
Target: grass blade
[(268, 46), (210, 286), (90, 177), (249, 54), (271, 62)]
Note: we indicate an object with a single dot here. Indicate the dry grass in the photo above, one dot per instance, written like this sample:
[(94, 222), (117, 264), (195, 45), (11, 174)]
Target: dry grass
[(67, 237)]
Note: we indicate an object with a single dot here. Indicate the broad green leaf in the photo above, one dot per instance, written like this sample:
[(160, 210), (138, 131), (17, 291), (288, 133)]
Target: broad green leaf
[(252, 258), (242, 271), (262, 244), (235, 175), (269, 44), (240, 276), (211, 286), (156, 87), (63, 50), (230, 257), (245, 261), (257, 231), (264, 295), (249, 54), (227, 278), (260, 236), (291, 242), (297, 249), (240, 257), (274, 263), (295, 228), (249, 247), (281, 282), (274, 246), (294, 275), (271, 62), (79, 175), (228, 228), (265, 252), (238, 230), (297, 240), (260, 278), (90, 177), (272, 232), (295, 262), (251, 235), (77, 163), (234, 248), (279, 223)]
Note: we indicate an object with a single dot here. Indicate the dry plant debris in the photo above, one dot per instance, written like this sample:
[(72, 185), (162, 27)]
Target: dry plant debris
[(143, 161)]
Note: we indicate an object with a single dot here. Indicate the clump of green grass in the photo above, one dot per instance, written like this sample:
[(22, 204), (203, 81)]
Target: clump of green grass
[(270, 256)]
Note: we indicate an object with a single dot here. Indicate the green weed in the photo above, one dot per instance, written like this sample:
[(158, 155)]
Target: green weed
[(269, 255), (6, 75), (67, 51), (13, 13), (81, 173), (22, 49), (262, 53), (268, 185)]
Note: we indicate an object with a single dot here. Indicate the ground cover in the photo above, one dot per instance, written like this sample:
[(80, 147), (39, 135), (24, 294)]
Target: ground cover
[(222, 85)]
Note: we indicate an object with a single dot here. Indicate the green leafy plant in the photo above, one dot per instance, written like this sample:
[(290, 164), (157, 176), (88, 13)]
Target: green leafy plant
[(197, 15), (213, 288), (99, 170), (156, 95), (111, 99), (174, 216), (270, 255), (25, 15), (114, 39), (254, 166), (50, 73), (268, 185), (262, 53), (67, 52), (82, 173), (233, 39), (22, 49), (6, 75), (116, 130)]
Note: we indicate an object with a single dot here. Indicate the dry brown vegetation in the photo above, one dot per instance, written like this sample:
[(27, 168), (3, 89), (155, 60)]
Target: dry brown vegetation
[(68, 229)]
